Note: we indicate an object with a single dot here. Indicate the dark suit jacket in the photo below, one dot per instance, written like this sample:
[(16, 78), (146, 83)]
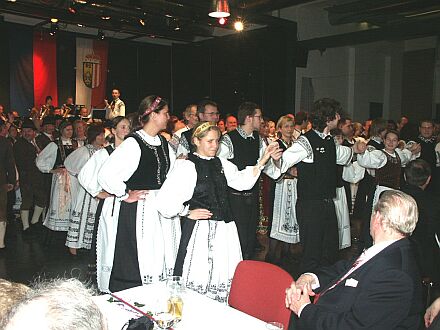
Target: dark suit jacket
[(427, 226), (7, 162), (25, 154), (42, 141), (387, 296)]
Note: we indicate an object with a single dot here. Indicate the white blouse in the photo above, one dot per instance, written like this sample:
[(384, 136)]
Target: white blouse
[(123, 162), (46, 159), (88, 176), (179, 186), (377, 159)]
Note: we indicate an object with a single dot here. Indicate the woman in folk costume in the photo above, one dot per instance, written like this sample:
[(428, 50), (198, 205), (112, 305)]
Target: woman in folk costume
[(82, 214), (388, 164), (51, 160), (88, 178), (141, 246), (197, 189), (285, 229)]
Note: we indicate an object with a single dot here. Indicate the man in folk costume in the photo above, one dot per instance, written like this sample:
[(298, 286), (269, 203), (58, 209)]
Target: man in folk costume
[(316, 156), (31, 179), (116, 107), (244, 147)]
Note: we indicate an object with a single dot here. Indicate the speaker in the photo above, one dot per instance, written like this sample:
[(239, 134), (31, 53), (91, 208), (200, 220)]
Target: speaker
[(301, 54)]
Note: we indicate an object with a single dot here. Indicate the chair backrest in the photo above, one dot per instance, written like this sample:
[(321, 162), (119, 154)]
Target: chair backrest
[(259, 289)]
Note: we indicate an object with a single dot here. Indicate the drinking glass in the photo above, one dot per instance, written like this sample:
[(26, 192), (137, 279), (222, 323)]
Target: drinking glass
[(274, 326), (175, 302)]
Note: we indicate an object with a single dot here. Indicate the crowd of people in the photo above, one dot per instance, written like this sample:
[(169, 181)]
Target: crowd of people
[(151, 196)]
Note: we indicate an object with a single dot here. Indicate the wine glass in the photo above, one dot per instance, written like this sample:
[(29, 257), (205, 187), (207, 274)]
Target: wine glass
[(274, 326)]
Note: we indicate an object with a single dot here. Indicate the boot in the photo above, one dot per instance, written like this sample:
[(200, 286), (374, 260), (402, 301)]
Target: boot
[(2, 234), (37, 212), (25, 219)]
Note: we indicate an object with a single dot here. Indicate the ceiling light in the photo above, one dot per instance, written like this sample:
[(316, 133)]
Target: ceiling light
[(238, 26), (101, 35), (222, 21), (54, 20), (105, 16), (220, 8), (142, 22), (80, 25), (176, 26), (81, 1), (12, 0), (423, 14)]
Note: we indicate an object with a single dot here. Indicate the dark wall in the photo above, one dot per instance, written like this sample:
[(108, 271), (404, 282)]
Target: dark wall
[(4, 66)]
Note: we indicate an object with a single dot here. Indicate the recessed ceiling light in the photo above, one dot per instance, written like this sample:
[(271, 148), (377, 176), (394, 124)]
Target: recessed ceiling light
[(54, 20)]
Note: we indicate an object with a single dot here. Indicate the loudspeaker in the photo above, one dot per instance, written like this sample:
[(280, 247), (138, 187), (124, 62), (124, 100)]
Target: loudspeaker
[(301, 54)]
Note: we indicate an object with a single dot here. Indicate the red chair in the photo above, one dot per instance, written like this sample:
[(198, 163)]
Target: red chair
[(259, 289)]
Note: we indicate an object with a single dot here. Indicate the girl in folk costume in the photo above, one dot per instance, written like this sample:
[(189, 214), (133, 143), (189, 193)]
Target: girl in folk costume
[(197, 189), (387, 163), (285, 229), (141, 246), (51, 160), (88, 178), (82, 214)]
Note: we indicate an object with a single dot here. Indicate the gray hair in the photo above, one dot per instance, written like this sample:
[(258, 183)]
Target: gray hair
[(61, 304), (399, 211)]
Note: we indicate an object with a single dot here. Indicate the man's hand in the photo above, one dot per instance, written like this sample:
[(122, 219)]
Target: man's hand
[(199, 214), (136, 195), (359, 147), (432, 312), (296, 297), (415, 148), (103, 195), (9, 187), (106, 103)]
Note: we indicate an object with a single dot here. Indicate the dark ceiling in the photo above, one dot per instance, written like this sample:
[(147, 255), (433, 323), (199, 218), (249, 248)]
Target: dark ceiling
[(188, 20)]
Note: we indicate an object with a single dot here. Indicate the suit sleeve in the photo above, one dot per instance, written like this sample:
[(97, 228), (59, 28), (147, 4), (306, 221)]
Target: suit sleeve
[(10, 164), (382, 304)]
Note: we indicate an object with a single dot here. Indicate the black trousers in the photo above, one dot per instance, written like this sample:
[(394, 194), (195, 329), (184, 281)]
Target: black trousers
[(318, 230), (245, 209)]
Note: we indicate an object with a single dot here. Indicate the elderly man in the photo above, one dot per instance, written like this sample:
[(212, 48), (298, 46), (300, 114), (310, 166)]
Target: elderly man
[(379, 290)]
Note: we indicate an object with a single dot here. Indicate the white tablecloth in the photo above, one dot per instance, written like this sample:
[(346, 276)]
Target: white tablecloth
[(199, 312)]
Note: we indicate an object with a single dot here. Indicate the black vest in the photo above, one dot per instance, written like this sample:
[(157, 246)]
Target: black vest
[(153, 165), (63, 151), (375, 144), (427, 152), (246, 151), (211, 191), (317, 180)]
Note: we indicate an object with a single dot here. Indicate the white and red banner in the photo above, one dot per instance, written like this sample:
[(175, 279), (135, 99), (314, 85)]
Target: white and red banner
[(91, 72)]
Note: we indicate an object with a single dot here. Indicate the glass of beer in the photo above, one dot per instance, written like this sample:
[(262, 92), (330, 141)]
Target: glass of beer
[(175, 302)]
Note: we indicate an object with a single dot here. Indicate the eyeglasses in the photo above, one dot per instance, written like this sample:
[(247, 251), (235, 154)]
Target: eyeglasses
[(258, 116), (212, 113)]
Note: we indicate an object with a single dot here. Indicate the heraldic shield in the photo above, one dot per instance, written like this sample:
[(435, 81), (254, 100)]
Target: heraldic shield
[(92, 71)]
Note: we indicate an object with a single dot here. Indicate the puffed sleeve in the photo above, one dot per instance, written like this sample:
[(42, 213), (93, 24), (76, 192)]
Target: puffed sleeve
[(406, 156), (76, 160), (46, 158), (372, 159), (239, 180), (177, 188), (343, 155), (226, 148), (88, 176), (119, 167), (300, 150)]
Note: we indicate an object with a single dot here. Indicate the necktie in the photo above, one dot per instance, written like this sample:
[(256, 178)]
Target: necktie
[(351, 270)]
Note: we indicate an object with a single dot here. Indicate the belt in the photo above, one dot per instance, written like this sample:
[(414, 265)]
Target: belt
[(238, 193)]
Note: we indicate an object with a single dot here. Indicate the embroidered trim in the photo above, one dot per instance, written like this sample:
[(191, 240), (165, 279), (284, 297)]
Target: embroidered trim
[(303, 142)]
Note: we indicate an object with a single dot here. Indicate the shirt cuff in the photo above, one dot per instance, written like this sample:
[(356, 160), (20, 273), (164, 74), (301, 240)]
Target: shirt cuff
[(315, 285), (301, 308)]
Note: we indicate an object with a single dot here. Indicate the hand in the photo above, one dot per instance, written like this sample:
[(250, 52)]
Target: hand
[(136, 195), (276, 156), (298, 296), (103, 195), (272, 148), (293, 171), (9, 187), (106, 102), (11, 117), (60, 170), (359, 147), (199, 214), (415, 148), (401, 145), (182, 156), (432, 312)]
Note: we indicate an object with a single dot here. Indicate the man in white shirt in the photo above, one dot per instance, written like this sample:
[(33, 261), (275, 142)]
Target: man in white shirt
[(116, 107), (379, 290)]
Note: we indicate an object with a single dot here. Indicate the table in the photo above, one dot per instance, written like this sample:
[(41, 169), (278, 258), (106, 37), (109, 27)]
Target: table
[(199, 312)]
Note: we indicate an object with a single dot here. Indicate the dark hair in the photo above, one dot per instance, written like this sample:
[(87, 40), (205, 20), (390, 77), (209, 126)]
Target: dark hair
[(115, 121), (246, 109), (93, 131), (301, 117), (117, 89), (342, 121), (335, 132), (378, 125), (391, 131), (171, 124), (145, 104), (48, 98), (417, 172), (325, 110), (426, 121), (202, 104), (391, 124)]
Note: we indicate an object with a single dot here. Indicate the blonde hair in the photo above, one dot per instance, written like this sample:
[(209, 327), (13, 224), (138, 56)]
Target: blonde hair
[(399, 211), (283, 120)]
